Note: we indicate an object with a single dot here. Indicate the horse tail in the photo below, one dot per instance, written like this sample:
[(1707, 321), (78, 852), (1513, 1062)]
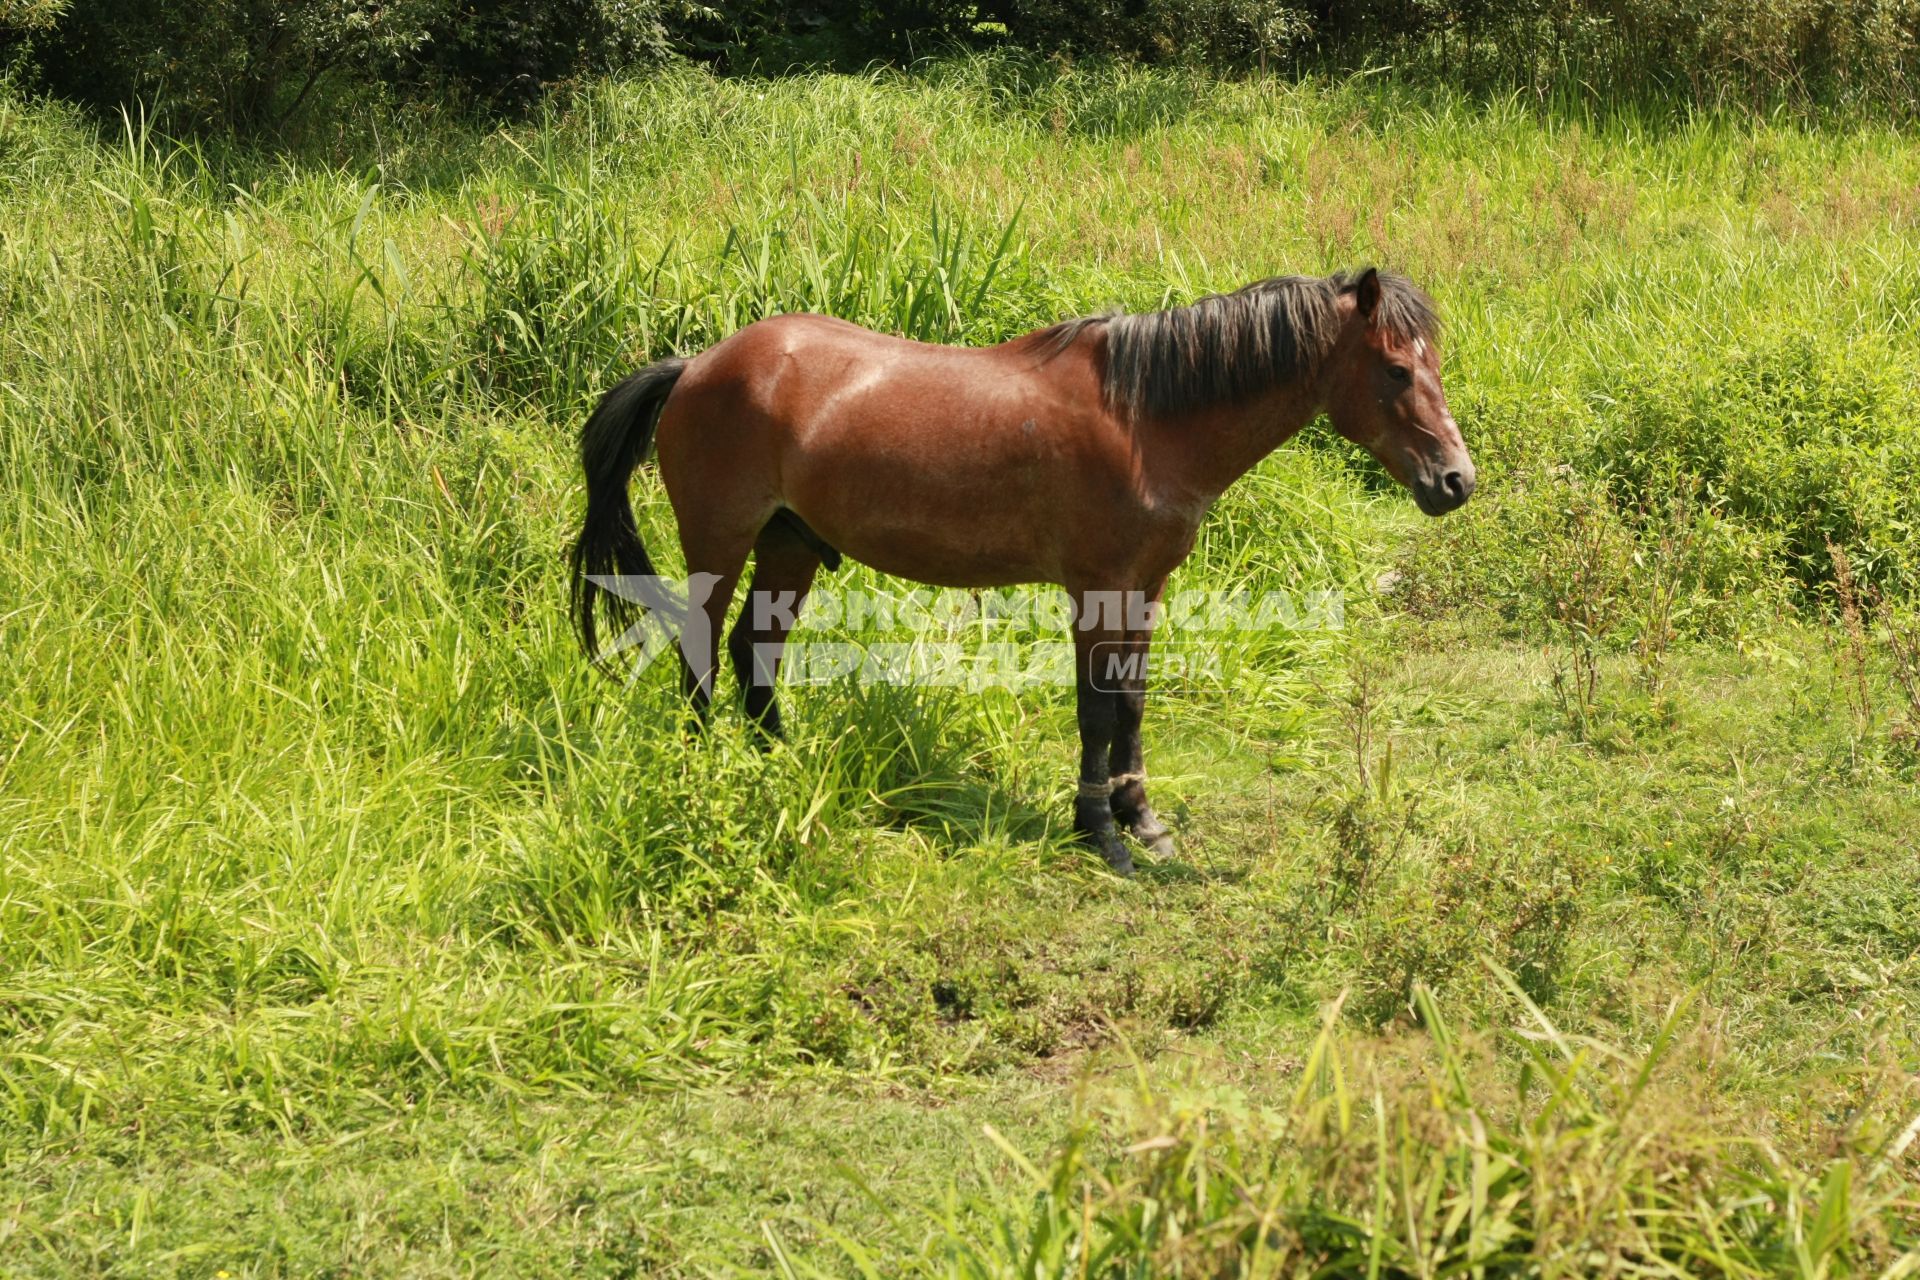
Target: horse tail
[(612, 444)]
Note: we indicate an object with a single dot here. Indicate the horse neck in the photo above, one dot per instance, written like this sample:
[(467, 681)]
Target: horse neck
[(1205, 451)]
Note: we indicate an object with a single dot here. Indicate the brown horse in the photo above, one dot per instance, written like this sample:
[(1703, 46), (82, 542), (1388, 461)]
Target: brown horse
[(1083, 455)]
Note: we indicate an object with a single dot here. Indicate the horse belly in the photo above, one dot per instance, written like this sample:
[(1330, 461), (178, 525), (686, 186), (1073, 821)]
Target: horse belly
[(980, 507), (939, 559)]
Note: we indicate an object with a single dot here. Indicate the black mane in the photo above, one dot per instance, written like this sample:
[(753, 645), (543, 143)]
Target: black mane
[(1228, 346)]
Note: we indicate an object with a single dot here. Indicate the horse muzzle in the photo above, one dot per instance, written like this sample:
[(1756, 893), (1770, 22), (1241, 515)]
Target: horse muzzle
[(1443, 490)]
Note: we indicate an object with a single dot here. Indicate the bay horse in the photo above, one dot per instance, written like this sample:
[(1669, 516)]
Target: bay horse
[(1083, 455)]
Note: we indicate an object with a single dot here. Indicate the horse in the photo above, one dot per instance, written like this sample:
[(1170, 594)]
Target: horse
[(1083, 455)]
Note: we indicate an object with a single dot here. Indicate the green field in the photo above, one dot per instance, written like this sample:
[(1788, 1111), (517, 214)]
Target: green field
[(1559, 915)]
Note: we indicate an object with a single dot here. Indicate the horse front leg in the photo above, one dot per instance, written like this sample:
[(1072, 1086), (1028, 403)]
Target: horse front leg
[(1097, 709), (1127, 764)]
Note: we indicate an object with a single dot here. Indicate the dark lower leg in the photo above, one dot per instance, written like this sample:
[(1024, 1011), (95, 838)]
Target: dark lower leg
[(1092, 808), (755, 667), (1127, 772), (1126, 766), (700, 639), (1097, 711), (783, 569)]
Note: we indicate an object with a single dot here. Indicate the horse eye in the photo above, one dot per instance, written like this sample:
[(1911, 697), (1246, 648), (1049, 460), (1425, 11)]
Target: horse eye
[(1400, 373)]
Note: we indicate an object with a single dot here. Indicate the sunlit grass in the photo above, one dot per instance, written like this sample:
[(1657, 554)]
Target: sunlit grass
[(314, 829)]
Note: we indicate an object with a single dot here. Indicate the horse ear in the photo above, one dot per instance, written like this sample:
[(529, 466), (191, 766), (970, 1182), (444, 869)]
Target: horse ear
[(1366, 293)]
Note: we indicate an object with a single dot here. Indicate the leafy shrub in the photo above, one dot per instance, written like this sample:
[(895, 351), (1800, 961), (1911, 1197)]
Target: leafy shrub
[(776, 37), (256, 63), (1827, 47), (1222, 32), (509, 52), (1803, 440), (1514, 549), (1515, 905), (253, 62), (230, 62), (773, 37)]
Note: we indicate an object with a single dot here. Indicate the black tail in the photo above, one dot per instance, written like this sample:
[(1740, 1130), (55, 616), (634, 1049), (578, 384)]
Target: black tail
[(612, 444)]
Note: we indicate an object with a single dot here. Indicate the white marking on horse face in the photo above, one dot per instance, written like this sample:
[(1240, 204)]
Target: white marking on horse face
[(1419, 346)]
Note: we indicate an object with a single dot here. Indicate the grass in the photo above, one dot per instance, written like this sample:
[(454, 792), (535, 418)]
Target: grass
[(347, 925)]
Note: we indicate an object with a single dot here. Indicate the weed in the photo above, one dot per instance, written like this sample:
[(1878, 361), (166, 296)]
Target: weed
[(1589, 568), (1352, 1173), (1662, 579), (1902, 633), (1853, 656)]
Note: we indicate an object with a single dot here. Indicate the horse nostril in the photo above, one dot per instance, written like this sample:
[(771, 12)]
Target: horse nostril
[(1457, 485)]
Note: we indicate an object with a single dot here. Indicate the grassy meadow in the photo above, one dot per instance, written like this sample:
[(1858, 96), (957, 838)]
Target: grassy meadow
[(1559, 915)]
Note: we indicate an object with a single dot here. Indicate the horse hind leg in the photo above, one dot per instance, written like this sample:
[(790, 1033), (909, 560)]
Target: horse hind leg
[(713, 571), (786, 556)]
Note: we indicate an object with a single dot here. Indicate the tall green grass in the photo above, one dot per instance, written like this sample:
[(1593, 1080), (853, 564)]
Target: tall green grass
[(1583, 1170), (312, 819)]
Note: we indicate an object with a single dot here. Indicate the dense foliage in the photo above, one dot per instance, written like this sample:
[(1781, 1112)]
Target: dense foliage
[(257, 62)]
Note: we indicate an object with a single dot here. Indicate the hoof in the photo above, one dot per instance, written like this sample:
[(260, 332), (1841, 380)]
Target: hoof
[(1107, 842), (1111, 849), (1159, 842), (1152, 833)]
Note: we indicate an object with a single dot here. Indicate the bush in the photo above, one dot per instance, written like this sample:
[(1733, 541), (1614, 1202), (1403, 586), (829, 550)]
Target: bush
[(775, 37), (1718, 475), (508, 52), (1805, 440), (1515, 550), (1235, 33), (252, 64)]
